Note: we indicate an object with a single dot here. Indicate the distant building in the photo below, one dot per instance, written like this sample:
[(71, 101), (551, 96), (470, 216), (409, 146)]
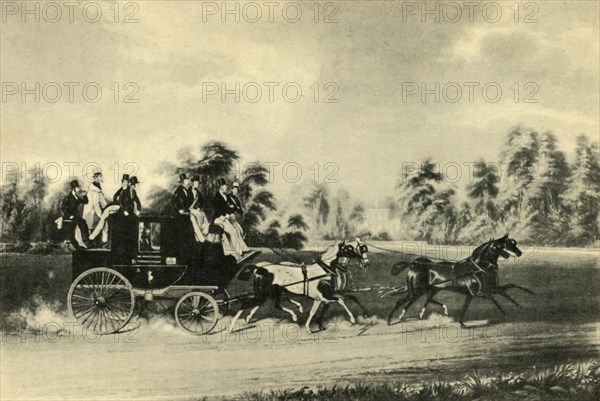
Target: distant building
[(377, 220)]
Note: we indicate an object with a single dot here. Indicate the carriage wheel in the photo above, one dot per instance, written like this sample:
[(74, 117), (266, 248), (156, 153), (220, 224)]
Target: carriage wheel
[(197, 312), (102, 300), (223, 301)]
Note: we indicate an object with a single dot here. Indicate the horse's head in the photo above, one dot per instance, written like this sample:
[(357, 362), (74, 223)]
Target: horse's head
[(353, 250), (496, 248), (508, 246)]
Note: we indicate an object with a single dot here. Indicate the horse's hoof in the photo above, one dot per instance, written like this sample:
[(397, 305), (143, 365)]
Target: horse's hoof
[(389, 322)]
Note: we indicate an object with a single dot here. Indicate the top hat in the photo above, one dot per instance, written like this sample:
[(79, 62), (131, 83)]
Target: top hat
[(134, 180), (74, 184), (196, 178), (221, 181), (182, 177), (236, 185), (125, 177)]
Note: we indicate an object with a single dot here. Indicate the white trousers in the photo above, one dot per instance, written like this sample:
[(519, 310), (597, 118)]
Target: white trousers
[(102, 226), (200, 224), (233, 243)]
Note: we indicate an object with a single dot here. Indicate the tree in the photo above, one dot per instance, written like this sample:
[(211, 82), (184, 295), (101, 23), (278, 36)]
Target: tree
[(518, 161), (296, 222), (316, 202), (582, 196), (423, 203), (23, 213), (484, 188)]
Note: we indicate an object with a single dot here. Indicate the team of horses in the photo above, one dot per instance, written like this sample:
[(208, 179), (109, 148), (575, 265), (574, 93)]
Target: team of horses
[(327, 280)]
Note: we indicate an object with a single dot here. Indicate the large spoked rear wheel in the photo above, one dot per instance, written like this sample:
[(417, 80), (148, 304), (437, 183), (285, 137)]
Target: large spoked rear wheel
[(197, 312), (101, 300)]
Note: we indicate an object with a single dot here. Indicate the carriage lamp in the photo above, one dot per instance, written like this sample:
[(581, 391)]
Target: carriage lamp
[(171, 261), (148, 295)]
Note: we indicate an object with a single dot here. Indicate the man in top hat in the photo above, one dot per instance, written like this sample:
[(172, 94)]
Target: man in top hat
[(184, 201), (92, 211), (182, 197), (110, 208), (70, 209), (233, 243), (129, 200), (236, 211)]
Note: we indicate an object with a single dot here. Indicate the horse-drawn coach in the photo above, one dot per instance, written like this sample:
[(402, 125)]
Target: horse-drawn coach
[(148, 257)]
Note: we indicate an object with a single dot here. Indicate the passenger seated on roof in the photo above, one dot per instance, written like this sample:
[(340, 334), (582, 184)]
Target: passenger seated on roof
[(186, 201), (236, 212), (233, 243), (110, 208)]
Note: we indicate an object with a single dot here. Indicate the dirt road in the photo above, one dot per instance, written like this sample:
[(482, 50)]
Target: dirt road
[(159, 361)]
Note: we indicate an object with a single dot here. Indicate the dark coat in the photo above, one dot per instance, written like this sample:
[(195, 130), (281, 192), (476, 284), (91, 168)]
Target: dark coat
[(235, 205), (128, 200), (197, 196), (70, 205), (182, 198), (220, 206), (116, 197)]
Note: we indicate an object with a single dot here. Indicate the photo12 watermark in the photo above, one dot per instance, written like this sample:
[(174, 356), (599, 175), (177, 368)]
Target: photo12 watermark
[(71, 12), (69, 92), (469, 92), (269, 92), (454, 172), (253, 12), (52, 172), (452, 12), (291, 172)]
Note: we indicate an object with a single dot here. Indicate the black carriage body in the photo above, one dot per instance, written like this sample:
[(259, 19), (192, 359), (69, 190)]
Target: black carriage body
[(156, 252)]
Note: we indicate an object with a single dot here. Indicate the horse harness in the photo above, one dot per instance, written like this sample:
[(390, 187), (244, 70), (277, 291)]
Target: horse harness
[(305, 280), (472, 274)]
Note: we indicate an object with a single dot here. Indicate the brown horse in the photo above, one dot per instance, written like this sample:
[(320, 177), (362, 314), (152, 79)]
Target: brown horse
[(475, 276)]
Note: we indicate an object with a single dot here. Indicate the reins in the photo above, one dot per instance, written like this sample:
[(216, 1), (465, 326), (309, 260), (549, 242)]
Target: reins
[(411, 253)]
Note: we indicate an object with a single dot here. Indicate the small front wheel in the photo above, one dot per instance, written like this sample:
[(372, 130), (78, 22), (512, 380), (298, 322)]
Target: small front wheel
[(197, 312)]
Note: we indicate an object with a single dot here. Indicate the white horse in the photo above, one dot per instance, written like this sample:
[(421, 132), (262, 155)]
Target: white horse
[(321, 281)]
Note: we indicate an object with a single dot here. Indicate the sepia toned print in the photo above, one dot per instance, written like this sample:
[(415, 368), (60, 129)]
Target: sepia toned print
[(299, 200)]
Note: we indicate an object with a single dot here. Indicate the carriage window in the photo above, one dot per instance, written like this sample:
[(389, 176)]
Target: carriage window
[(149, 237)]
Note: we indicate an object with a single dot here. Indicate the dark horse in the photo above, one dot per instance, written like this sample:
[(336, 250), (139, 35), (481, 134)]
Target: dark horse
[(475, 276)]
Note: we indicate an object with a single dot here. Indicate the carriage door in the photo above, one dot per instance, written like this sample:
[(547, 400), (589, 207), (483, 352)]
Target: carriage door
[(149, 234)]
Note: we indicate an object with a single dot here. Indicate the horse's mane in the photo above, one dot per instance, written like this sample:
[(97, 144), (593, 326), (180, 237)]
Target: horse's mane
[(477, 252), (330, 253)]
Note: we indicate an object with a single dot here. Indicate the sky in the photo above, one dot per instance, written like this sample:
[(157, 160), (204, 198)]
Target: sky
[(369, 62)]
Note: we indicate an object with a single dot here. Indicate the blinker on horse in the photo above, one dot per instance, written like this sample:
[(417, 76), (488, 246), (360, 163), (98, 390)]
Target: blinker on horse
[(475, 276)]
